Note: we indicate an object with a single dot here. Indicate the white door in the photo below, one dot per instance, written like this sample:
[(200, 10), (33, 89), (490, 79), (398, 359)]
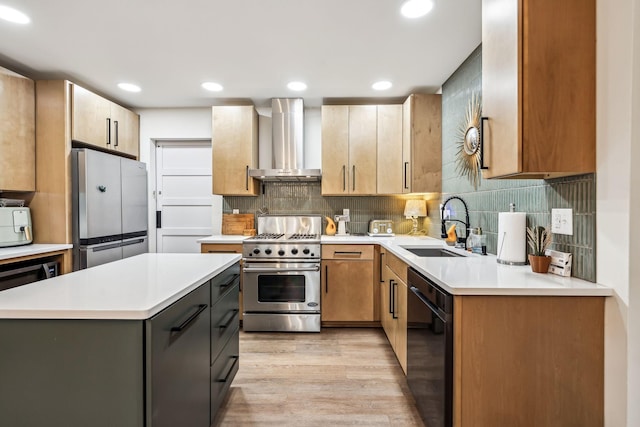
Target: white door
[(183, 195)]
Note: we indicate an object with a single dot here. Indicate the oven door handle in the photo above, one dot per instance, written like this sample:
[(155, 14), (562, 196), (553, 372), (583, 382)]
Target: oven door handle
[(445, 317), (278, 270)]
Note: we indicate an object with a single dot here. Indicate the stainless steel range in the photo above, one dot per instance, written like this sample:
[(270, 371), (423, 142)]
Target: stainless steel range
[(281, 274)]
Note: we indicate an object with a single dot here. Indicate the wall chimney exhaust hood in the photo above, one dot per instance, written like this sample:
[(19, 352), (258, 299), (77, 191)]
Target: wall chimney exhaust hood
[(287, 130)]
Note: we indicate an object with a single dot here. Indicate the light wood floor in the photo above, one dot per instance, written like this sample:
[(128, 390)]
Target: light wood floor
[(335, 378)]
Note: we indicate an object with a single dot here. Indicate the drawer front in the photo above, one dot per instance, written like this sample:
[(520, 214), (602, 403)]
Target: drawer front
[(397, 266), (360, 252), (220, 248), (224, 281), (223, 371), (225, 315)]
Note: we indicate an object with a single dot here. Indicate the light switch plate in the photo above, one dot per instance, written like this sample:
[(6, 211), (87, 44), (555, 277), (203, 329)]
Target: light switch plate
[(562, 221)]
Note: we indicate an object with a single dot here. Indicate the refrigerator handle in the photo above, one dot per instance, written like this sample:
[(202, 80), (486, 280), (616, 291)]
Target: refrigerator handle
[(158, 219)]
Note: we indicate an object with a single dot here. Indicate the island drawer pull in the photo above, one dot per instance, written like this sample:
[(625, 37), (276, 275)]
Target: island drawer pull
[(234, 278), (187, 323), (234, 314), (226, 377)]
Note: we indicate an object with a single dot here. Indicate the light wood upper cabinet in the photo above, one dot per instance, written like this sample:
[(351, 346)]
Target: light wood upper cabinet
[(17, 132), (126, 130), (104, 124), (390, 169), (422, 144), (349, 135), (234, 150), (538, 88), (347, 280)]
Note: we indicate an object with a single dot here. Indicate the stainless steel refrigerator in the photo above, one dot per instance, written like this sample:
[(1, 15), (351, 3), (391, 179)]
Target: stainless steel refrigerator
[(109, 208)]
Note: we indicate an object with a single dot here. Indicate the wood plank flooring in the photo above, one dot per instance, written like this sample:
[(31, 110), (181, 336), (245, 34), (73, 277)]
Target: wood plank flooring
[(339, 377)]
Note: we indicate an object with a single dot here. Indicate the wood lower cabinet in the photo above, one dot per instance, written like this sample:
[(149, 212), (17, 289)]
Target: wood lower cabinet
[(393, 306), (234, 144), (101, 123), (227, 248), (528, 361), (539, 88), (347, 280), (17, 132)]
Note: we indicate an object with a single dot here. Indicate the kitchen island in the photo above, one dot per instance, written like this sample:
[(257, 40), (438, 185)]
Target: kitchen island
[(150, 340)]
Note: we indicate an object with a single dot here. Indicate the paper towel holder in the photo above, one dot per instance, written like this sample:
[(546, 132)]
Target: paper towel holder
[(499, 259)]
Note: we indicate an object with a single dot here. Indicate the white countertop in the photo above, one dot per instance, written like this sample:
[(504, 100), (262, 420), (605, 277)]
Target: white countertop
[(470, 275), (33, 249), (132, 288)]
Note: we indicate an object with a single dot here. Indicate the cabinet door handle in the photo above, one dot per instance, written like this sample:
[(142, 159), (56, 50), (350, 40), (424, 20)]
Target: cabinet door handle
[(234, 278), (357, 253), (234, 313), (344, 178), (393, 292), (391, 296), (108, 131), (115, 128), (246, 178), (184, 325), (406, 187), (482, 120), (226, 377), (326, 279), (381, 279), (354, 177)]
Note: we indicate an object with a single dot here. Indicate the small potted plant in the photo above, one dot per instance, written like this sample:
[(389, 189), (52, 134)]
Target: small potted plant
[(539, 240)]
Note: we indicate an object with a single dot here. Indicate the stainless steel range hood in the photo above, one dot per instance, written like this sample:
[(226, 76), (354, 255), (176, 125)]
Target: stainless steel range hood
[(287, 130)]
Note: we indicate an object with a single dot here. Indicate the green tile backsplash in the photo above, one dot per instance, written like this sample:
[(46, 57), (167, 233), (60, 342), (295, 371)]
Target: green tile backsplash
[(536, 197)]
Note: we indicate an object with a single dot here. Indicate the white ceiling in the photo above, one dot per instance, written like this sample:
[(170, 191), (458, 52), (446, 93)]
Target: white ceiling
[(252, 47)]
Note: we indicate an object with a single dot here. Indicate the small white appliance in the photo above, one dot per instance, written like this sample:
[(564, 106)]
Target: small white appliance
[(342, 224), (380, 227), (15, 226)]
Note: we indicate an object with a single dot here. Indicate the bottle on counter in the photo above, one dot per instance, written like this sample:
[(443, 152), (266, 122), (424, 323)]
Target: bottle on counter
[(477, 242)]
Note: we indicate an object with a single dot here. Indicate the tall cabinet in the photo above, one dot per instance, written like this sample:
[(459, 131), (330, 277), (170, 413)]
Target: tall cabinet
[(17, 132), (60, 118), (538, 88), (234, 150)]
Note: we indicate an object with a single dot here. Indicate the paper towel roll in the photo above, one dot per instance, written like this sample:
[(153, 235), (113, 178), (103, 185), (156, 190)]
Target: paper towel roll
[(512, 238)]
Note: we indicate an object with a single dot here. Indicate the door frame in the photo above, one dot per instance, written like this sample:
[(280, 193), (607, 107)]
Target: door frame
[(152, 182)]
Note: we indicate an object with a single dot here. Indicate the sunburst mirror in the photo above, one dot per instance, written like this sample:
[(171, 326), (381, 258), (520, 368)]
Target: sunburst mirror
[(468, 142)]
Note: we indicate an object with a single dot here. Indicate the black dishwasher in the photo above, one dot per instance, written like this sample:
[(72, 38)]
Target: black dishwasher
[(430, 349), (25, 272)]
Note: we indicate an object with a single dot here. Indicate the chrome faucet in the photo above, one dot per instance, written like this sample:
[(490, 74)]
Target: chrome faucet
[(466, 221)]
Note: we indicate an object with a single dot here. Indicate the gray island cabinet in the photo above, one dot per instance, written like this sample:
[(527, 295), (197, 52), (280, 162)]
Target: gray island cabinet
[(165, 355)]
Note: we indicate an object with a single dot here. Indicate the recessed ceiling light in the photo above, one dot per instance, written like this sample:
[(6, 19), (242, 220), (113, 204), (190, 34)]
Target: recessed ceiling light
[(212, 86), (297, 86), (129, 87), (416, 8), (381, 85), (12, 15)]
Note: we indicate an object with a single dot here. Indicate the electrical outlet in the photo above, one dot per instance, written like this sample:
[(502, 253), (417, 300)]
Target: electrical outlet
[(345, 211), (236, 211), (447, 213), (562, 221)]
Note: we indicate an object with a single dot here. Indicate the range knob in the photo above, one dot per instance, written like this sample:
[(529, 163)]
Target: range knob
[(305, 251), (294, 251), (280, 252), (256, 251), (267, 251)]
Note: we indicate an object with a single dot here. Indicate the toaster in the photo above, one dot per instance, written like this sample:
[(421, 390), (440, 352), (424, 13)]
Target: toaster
[(380, 227), (15, 226)]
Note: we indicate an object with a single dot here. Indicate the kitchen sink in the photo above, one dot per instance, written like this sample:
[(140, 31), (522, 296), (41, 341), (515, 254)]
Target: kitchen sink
[(432, 252)]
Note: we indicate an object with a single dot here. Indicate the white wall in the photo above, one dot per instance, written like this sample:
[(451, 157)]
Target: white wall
[(617, 206), (168, 124)]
